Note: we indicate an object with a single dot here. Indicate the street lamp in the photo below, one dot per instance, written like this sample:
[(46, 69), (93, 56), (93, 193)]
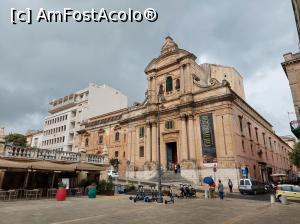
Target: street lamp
[(160, 99)]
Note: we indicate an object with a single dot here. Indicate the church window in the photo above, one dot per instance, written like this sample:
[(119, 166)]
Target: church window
[(141, 152), (142, 132), (117, 136), (177, 85), (86, 142), (169, 84), (100, 139), (169, 124)]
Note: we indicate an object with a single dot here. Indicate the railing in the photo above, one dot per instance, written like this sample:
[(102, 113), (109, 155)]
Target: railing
[(95, 159), (11, 151)]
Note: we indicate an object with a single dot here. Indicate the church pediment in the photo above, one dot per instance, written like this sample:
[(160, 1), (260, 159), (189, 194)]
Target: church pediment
[(170, 54)]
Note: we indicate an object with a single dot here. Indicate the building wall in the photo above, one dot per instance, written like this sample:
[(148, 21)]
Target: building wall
[(221, 73), (103, 99), (182, 107), (66, 114), (292, 69)]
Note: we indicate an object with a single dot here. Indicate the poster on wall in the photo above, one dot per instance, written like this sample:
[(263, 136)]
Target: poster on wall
[(208, 138)]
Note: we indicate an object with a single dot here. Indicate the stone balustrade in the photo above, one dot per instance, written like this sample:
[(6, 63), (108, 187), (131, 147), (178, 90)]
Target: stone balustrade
[(17, 152)]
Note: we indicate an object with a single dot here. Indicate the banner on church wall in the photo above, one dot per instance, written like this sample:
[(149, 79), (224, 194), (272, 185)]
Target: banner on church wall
[(208, 139)]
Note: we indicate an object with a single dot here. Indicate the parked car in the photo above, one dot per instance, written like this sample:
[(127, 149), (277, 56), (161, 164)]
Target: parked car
[(292, 192), (251, 186), (112, 174)]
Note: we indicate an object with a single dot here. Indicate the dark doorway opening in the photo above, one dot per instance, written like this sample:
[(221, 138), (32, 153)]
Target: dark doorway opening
[(171, 154)]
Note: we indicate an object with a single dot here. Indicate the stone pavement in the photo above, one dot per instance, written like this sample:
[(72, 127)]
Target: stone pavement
[(118, 209)]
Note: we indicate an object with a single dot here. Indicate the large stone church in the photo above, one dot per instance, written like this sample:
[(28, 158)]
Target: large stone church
[(204, 122)]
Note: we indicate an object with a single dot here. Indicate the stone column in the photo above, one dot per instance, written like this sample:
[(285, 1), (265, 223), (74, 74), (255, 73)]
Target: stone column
[(191, 136), (148, 143), (184, 150), (154, 143), (182, 81), (129, 145)]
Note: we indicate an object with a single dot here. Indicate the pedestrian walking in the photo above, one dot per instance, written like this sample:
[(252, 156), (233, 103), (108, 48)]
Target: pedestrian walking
[(230, 185), (221, 190), (178, 168), (212, 188), (175, 168)]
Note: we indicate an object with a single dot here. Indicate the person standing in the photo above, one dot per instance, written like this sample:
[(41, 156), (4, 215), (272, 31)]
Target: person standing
[(212, 188), (221, 190), (230, 185)]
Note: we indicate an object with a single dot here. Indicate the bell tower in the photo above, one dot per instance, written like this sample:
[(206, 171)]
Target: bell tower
[(170, 73)]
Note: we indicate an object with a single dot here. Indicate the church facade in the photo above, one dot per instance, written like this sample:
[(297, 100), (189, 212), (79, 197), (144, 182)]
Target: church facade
[(204, 123)]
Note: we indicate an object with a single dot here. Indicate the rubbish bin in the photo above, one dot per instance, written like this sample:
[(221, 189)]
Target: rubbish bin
[(283, 200), (92, 192), (61, 194)]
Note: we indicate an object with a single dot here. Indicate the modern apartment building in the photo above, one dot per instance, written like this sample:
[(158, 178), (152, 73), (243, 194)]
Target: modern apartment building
[(66, 114)]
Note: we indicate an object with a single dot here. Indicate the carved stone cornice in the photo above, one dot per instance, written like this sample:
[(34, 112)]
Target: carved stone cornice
[(211, 82)]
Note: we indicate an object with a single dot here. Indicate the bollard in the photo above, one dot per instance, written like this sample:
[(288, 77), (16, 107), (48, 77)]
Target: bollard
[(284, 200), (272, 198), (206, 194)]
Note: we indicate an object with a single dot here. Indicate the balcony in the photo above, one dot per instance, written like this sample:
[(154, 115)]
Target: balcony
[(295, 128), (62, 104), (16, 152)]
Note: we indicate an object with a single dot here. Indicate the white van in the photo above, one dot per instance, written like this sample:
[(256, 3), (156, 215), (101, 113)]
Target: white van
[(251, 186)]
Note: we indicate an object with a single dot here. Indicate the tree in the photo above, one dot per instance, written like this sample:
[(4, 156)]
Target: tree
[(295, 155), (16, 139)]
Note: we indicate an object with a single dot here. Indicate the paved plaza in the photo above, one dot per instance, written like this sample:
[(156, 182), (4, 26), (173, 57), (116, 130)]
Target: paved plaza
[(118, 209)]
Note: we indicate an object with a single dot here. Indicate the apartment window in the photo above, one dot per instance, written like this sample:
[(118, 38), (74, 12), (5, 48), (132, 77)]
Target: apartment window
[(63, 138), (117, 136), (243, 145), (256, 134), (116, 154), (100, 141), (270, 142), (169, 84), (169, 124), (249, 130), (264, 138), (86, 142), (251, 147), (241, 124), (141, 152), (142, 132)]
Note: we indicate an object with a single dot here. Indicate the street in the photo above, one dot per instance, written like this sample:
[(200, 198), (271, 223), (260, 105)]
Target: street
[(116, 209)]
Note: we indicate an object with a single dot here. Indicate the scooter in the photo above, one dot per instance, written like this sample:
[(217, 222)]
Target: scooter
[(140, 195), (153, 196), (187, 191)]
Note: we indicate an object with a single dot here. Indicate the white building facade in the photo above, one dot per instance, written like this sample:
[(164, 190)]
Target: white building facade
[(66, 114)]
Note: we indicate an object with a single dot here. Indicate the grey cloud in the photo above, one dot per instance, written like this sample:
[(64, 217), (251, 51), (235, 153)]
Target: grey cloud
[(45, 61)]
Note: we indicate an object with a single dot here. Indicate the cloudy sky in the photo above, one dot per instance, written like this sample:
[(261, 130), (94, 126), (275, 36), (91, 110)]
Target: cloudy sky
[(43, 61)]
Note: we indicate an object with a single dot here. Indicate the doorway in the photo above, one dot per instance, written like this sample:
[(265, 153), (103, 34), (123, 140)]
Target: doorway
[(171, 148)]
